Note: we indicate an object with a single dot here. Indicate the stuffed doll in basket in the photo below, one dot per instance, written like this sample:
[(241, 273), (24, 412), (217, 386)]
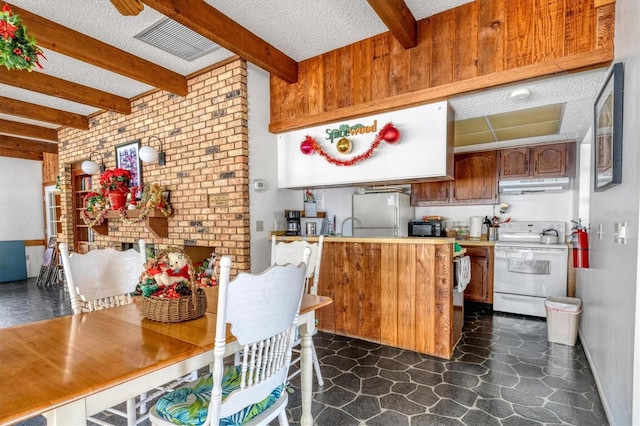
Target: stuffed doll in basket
[(175, 271)]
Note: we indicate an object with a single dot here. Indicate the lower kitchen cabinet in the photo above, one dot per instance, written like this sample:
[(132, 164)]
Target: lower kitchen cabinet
[(480, 288), (398, 293)]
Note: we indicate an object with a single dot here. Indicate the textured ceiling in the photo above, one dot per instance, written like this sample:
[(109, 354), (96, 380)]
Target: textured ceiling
[(300, 28)]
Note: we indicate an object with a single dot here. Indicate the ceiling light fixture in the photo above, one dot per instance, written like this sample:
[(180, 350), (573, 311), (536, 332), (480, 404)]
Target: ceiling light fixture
[(520, 94), (149, 154), (90, 167)]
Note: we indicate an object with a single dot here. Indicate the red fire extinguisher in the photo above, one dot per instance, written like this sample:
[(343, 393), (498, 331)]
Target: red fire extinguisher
[(580, 249)]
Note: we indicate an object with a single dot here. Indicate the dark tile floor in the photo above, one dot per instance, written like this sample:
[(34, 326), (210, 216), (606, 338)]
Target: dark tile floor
[(504, 372)]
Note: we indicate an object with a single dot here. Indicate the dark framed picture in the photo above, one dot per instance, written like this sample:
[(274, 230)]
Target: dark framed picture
[(127, 158), (607, 131)]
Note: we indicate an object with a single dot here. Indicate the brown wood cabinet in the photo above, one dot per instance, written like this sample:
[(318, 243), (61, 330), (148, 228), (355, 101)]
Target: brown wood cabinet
[(398, 293), (480, 288), (538, 161), (475, 182)]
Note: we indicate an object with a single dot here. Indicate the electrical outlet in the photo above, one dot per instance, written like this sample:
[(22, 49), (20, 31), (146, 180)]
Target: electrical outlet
[(259, 225)]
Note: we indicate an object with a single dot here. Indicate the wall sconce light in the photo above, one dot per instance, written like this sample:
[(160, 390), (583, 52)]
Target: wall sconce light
[(149, 154), (90, 167)]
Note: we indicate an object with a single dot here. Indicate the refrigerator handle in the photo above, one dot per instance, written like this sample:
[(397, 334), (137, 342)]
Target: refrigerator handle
[(396, 217)]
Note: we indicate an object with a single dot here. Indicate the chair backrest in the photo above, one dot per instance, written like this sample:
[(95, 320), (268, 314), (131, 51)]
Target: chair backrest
[(262, 310), (102, 278), (292, 252)]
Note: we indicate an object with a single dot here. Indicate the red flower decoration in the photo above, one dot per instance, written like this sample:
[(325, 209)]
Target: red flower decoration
[(115, 180), (7, 30)]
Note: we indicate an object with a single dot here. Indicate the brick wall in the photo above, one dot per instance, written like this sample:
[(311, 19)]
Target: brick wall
[(205, 138)]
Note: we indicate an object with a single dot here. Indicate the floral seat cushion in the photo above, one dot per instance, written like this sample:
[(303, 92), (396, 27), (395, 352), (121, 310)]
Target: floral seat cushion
[(190, 405)]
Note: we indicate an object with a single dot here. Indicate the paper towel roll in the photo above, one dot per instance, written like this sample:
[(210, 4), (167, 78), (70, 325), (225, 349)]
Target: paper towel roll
[(476, 227)]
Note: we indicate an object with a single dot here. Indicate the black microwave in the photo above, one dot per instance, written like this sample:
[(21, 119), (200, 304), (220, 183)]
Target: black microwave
[(430, 228)]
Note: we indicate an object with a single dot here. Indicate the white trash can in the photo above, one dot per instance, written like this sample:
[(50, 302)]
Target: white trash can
[(563, 315)]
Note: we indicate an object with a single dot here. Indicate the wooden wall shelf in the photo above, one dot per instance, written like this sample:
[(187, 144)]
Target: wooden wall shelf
[(155, 222)]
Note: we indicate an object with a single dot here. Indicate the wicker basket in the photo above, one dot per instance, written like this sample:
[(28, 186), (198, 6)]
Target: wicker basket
[(174, 309)]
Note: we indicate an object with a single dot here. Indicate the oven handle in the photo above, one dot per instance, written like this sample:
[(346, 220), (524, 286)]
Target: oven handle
[(532, 250)]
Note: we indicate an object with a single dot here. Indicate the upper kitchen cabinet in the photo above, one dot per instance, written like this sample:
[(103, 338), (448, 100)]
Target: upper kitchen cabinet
[(538, 161), (475, 182), (417, 146)]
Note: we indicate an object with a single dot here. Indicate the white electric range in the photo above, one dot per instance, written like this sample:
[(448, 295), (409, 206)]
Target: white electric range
[(527, 271)]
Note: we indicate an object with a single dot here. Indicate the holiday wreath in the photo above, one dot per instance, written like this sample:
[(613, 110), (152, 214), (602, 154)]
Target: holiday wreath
[(17, 49)]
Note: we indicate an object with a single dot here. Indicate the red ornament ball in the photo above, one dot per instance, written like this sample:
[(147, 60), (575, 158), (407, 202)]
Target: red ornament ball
[(307, 147), (391, 135)]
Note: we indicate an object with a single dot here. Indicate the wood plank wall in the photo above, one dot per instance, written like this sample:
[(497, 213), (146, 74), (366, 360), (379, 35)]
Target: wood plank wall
[(478, 45), (396, 294)]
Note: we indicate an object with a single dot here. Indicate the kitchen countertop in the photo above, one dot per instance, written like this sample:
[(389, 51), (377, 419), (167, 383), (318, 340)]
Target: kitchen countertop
[(384, 240), (480, 243)]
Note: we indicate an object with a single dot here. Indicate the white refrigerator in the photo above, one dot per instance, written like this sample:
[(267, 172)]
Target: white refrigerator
[(384, 214)]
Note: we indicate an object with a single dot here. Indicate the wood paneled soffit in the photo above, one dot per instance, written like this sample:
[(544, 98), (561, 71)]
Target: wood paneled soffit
[(51, 35), (28, 130), (53, 86), (597, 58), (41, 113), (210, 23), (478, 45), (398, 18)]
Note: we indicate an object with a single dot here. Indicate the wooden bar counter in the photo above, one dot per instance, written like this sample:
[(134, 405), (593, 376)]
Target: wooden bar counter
[(395, 291)]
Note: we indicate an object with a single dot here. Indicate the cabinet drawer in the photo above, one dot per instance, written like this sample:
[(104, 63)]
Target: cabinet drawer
[(477, 251)]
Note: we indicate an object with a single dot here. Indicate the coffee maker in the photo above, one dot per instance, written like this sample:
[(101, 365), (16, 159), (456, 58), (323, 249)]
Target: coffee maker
[(293, 222)]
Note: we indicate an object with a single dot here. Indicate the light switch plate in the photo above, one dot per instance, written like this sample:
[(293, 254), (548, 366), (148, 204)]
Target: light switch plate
[(620, 233)]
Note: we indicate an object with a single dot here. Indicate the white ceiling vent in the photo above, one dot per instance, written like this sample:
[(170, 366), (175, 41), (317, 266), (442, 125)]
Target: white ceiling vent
[(176, 39)]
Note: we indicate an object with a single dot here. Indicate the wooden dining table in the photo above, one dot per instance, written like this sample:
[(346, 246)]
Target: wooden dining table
[(74, 366)]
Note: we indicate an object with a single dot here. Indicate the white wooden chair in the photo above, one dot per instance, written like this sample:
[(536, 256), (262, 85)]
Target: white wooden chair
[(292, 252), (102, 278), (262, 310), (105, 278)]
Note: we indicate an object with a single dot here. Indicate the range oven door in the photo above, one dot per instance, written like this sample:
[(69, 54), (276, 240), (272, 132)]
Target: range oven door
[(539, 272)]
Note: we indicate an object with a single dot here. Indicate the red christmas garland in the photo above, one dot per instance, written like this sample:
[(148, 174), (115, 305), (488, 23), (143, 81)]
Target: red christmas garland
[(309, 146)]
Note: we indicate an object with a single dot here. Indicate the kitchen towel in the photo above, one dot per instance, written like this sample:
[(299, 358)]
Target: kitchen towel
[(463, 272)]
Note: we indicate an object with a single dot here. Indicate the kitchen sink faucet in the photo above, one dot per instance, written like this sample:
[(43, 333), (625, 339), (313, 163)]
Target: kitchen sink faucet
[(352, 218)]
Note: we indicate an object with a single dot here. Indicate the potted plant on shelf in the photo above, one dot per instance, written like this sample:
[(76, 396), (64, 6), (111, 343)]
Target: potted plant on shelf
[(114, 183), (95, 202)]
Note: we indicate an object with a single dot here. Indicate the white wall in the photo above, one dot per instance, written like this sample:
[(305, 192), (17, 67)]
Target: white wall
[(268, 206), (551, 206), (22, 206), (611, 318)]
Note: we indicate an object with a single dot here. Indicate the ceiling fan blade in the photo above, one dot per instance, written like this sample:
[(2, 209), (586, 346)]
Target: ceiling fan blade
[(128, 7)]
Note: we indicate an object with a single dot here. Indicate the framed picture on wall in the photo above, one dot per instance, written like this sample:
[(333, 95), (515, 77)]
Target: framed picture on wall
[(608, 130), (127, 158)]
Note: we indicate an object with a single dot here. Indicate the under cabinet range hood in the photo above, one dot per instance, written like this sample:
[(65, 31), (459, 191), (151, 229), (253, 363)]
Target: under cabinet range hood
[(522, 186)]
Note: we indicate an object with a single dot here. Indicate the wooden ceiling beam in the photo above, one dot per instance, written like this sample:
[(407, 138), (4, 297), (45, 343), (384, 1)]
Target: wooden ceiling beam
[(28, 130), (217, 27), (51, 35), (398, 18), (25, 155), (41, 113), (21, 144), (54, 86)]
